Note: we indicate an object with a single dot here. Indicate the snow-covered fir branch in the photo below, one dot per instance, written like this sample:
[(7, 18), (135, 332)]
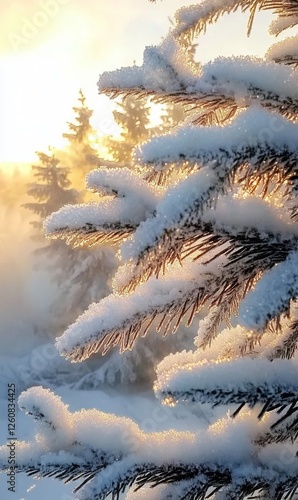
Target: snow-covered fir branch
[(208, 222), (193, 20), (285, 52), (235, 83), (132, 201), (120, 320), (108, 453)]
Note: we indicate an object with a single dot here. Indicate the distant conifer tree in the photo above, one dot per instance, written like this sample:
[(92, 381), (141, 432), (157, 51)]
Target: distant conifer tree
[(80, 274), (81, 153), (133, 117)]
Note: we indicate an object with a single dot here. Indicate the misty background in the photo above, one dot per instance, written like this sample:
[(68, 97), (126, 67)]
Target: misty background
[(25, 292), (47, 284)]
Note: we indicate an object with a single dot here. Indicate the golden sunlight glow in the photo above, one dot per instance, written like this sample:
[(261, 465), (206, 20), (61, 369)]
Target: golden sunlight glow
[(169, 401), (51, 48)]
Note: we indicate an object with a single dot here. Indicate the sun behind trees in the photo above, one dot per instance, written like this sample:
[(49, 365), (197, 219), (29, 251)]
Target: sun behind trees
[(210, 218), (133, 116), (81, 153)]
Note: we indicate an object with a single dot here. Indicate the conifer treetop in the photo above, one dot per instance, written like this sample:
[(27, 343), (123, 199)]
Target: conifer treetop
[(80, 130)]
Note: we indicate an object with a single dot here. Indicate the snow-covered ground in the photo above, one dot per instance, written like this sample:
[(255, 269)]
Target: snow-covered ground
[(139, 405)]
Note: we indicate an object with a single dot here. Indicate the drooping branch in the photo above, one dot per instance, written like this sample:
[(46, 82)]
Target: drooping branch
[(167, 300), (192, 21), (225, 84), (243, 380), (120, 320), (107, 454), (111, 220), (214, 235), (256, 137), (92, 234), (284, 52)]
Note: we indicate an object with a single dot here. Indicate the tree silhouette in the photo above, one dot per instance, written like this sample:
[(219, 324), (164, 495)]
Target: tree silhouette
[(51, 189), (81, 153), (133, 117)]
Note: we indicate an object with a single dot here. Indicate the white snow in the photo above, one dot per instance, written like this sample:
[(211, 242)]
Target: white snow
[(139, 406), (121, 182), (271, 295), (134, 202), (199, 445), (117, 211), (127, 430), (254, 127), (105, 431), (243, 79), (115, 311), (173, 210), (54, 425), (189, 17), (282, 23), (237, 214), (285, 48), (234, 375), (165, 67), (239, 75)]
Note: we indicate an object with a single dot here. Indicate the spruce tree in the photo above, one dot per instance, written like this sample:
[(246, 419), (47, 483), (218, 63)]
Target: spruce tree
[(133, 117), (51, 189), (81, 153), (210, 220)]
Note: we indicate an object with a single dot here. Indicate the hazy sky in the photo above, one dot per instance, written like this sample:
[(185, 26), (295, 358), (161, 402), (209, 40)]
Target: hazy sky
[(51, 48)]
